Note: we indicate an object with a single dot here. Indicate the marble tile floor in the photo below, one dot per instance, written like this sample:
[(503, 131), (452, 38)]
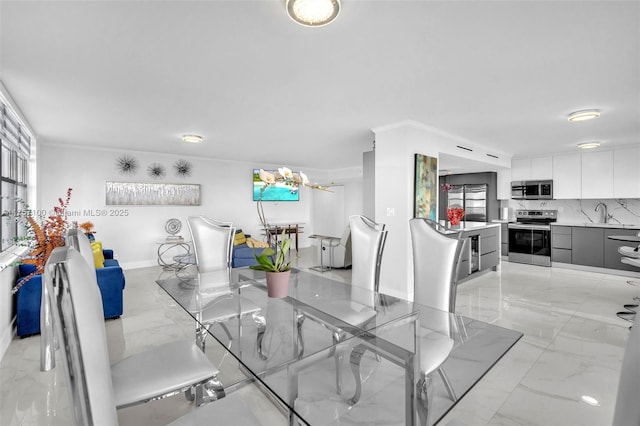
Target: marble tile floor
[(572, 347)]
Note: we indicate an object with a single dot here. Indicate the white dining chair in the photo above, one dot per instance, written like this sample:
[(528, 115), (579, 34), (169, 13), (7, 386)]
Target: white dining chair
[(367, 245), (436, 258), (213, 242), (97, 389)]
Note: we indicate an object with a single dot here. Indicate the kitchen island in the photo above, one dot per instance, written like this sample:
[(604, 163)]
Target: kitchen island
[(481, 251)]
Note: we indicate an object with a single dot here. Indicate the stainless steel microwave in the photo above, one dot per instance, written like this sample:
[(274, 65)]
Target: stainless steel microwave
[(532, 190)]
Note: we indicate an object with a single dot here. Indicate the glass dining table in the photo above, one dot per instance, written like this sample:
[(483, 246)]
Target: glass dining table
[(332, 353)]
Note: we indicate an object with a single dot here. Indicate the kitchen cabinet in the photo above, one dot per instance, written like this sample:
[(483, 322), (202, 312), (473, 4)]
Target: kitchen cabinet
[(567, 176), (626, 173), (535, 168), (597, 174), (587, 246), (611, 255), (481, 257), (504, 184), (504, 239), (521, 169), (561, 246)]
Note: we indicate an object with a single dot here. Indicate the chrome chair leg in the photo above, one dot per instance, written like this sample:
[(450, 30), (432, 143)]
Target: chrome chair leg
[(447, 384), (299, 321), (423, 393), (209, 391), (261, 324), (338, 336), (354, 360)]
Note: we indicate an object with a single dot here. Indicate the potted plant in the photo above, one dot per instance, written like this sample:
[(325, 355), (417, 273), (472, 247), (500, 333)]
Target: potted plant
[(43, 235), (43, 238), (277, 268)]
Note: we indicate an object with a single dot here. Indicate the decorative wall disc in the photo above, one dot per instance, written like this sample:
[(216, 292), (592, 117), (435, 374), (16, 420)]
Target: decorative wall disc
[(182, 168), (156, 170), (126, 165), (173, 226)]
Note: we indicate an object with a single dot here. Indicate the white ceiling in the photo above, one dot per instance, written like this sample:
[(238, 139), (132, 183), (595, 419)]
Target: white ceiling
[(258, 87)]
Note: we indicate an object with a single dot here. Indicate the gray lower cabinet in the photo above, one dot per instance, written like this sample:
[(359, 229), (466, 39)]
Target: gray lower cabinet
[(504, 230), (561, 244), (587, 246), (611, 255), (487, 255)]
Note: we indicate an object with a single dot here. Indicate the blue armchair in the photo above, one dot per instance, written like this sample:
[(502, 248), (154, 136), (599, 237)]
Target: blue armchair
[(110, 281)]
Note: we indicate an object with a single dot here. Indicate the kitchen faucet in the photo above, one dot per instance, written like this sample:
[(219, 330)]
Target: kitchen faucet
[(606, 215)]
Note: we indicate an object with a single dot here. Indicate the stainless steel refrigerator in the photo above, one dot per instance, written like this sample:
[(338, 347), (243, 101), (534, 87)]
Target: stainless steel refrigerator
[(472, 198)]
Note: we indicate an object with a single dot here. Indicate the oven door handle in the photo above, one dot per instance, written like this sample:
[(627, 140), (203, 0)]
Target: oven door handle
[(527, 226)]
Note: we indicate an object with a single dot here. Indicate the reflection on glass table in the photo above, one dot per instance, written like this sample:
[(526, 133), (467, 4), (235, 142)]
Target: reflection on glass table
[(389, 357)]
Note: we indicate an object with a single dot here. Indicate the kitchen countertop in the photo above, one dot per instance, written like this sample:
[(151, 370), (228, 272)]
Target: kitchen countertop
[(470, 226), (599, 225)]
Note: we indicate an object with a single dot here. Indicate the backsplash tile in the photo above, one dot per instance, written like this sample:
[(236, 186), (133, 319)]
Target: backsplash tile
[(622, 211)]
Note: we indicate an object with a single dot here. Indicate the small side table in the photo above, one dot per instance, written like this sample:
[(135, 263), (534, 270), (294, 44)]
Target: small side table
[(322, 239), (168, 251)]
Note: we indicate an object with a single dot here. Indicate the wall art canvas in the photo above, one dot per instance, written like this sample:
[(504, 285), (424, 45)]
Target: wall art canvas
[(426, 187), (151, 194)]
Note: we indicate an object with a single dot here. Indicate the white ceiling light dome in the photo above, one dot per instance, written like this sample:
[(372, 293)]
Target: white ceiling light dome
[(584, 115), (589, 145), (192, 138), (313, 13)]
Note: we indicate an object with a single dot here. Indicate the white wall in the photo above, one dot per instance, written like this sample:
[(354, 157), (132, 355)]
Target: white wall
[(394, 186), (226, 193)]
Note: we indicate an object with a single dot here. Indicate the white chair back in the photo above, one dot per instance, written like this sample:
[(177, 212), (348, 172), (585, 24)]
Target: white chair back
[(435, 260), (79, 322), (79, 241), (627, 411), (367, 245), (212, 242)]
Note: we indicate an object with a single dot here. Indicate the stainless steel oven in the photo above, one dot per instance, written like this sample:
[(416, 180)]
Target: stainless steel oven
[(530, 237)]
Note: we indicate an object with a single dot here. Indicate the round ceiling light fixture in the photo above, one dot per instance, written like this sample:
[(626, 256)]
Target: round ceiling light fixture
[(192, 138), (313, 13), (589, 145), (584, 115)]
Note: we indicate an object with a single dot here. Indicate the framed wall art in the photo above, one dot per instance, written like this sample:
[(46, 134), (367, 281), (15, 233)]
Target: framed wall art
[(151, 194), (426, 187)]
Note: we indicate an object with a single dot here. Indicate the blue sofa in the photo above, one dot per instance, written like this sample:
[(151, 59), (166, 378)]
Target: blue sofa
[(110, 280), (242, 254)]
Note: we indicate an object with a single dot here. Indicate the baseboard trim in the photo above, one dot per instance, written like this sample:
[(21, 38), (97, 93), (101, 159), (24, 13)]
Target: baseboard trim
[(7, 337), (619, 272)]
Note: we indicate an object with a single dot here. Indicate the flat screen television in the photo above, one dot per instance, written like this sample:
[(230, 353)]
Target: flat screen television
[(277, 192)]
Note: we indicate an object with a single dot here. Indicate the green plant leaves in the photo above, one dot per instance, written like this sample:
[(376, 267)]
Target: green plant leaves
[(266, 261)]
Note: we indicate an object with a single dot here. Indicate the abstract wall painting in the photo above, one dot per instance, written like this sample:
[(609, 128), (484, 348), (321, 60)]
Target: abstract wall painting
[(151, 194), (426, 187)]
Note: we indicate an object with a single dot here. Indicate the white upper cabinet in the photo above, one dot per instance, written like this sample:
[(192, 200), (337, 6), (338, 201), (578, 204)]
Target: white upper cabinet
[(626, 173), (542, 168), (521, 169), (597, 174), (504, 184), (537, 168), (567, 178)]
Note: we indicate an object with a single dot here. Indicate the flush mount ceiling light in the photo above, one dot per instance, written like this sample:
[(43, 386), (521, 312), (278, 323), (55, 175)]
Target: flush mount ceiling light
[(584, 115), (588, 145), (313, 13), (192, 138)]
